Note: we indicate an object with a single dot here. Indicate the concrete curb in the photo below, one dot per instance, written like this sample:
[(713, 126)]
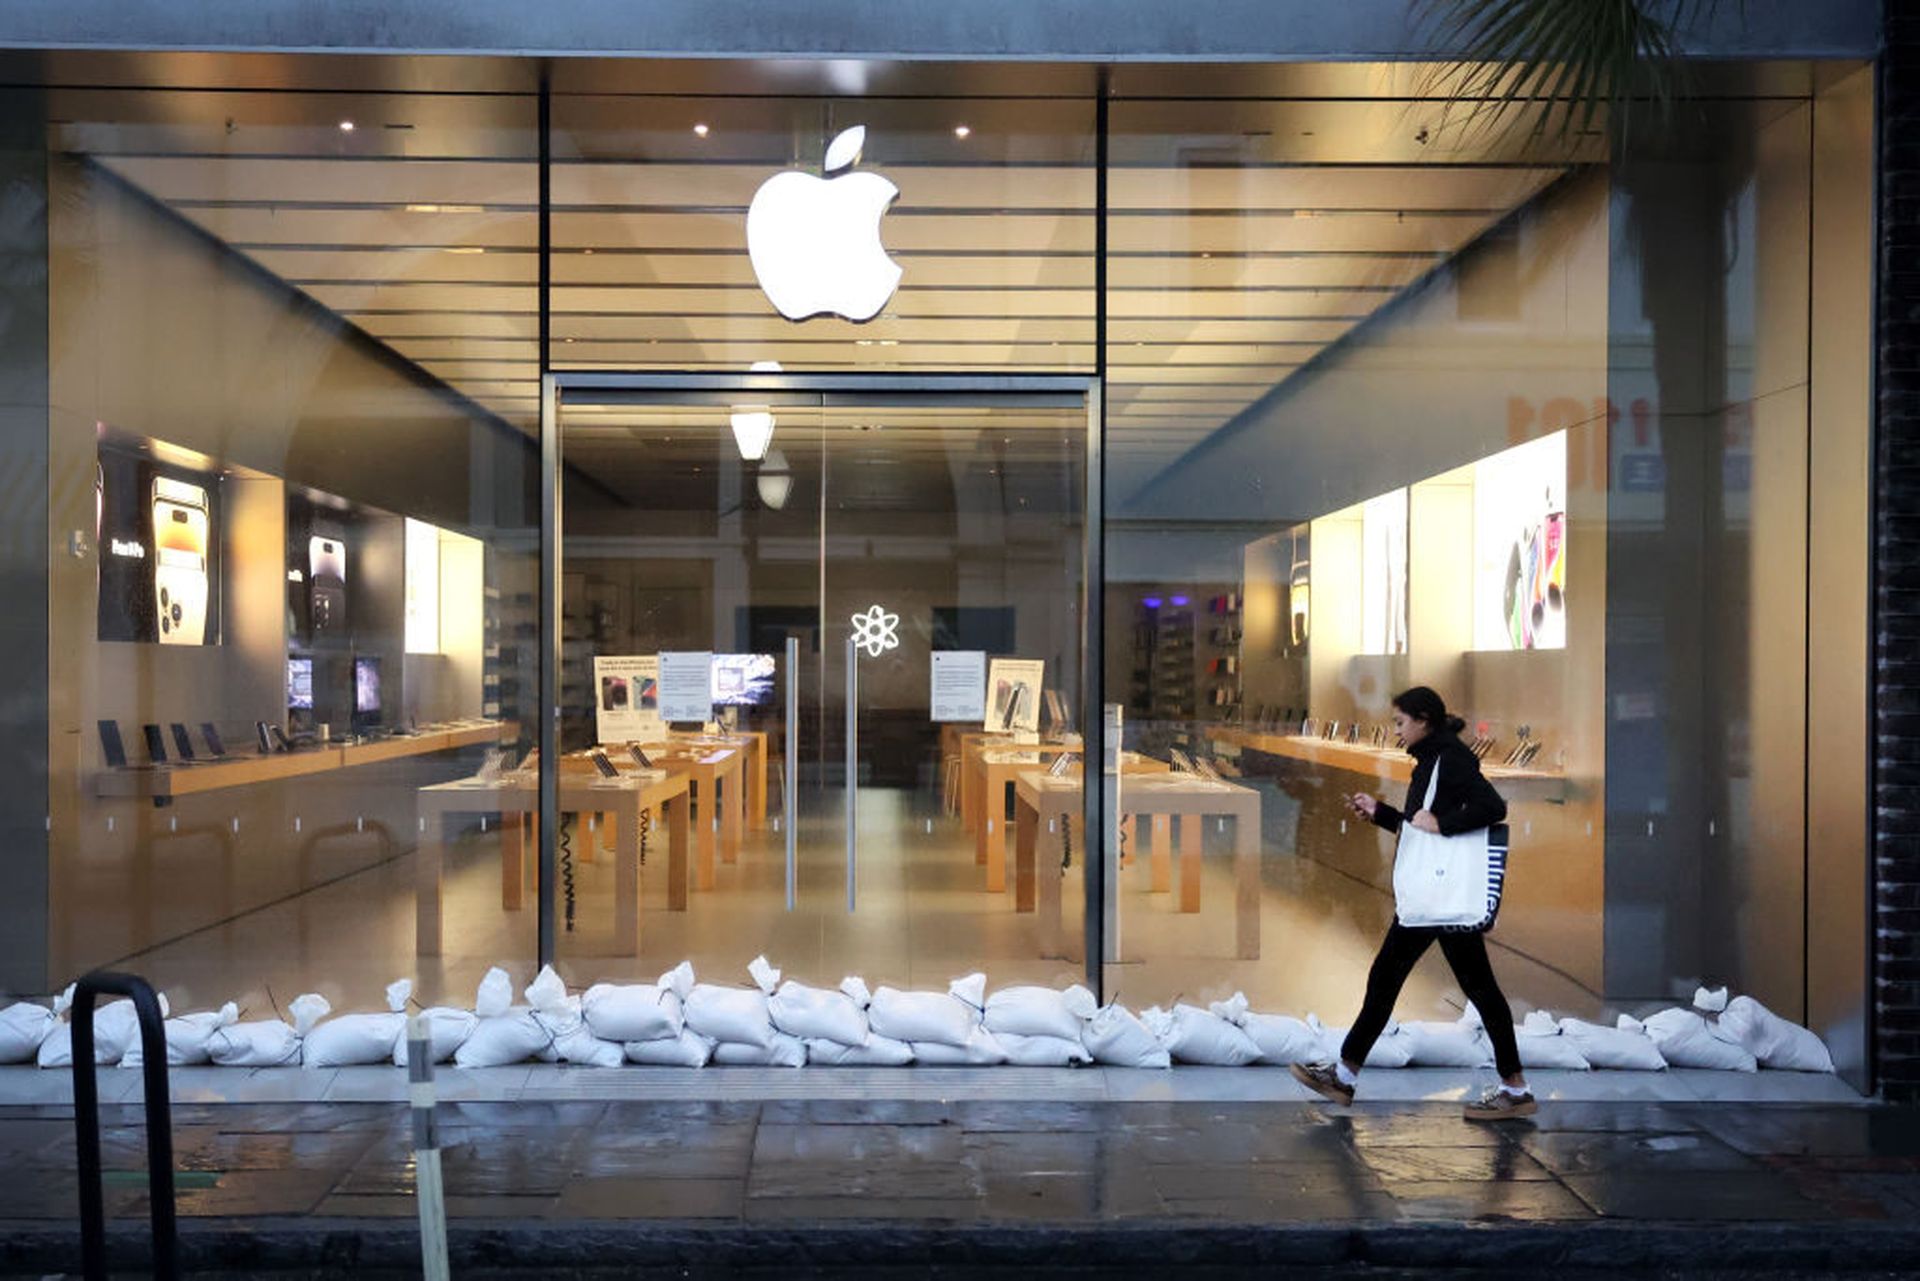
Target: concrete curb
[(375, 1247)]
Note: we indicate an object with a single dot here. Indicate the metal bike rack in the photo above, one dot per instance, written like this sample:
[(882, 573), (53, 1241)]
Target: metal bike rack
[(159, 1123)]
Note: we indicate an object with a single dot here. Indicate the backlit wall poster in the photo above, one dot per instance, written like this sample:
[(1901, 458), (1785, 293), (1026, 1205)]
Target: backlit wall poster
[(1383, 574), (626, 705), (157, 531), (1520, 547)]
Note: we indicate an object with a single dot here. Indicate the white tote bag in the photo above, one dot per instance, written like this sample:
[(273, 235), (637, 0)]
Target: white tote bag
[(1446, 881)]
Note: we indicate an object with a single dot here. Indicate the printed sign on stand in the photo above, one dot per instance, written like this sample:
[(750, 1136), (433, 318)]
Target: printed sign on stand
[(1013, 694), (686, 687), (626, 704), (959, 685)]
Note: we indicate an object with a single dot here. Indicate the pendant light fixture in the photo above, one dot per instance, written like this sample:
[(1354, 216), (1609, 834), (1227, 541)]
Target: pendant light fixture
[(753, 424)]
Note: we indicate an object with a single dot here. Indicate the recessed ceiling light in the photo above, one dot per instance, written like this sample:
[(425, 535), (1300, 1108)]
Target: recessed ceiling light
[(962, 131), (444, 209), (700, 130), (346, 126), (586, 251), (466, 249)]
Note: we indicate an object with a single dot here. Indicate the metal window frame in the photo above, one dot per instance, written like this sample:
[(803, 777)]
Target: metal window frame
[(560, 388)]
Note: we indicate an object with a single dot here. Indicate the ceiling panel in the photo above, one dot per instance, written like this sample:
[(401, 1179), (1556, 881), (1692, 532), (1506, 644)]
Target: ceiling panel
[(1238, 252)]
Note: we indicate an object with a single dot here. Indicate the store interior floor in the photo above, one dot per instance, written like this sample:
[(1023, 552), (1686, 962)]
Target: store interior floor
[(922, 918)]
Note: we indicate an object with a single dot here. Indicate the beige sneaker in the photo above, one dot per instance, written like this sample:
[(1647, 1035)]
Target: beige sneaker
[(1323, 1080), (1498, 1105)]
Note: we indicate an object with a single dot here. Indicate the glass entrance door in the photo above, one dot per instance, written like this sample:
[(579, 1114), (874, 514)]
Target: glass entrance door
[(881, 584)]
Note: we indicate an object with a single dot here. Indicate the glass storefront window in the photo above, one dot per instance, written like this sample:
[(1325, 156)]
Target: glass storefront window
[(293, 468), (1370, 400)]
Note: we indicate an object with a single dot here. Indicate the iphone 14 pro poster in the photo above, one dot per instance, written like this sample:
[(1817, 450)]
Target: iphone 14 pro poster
[(157, 530), (319, 572)]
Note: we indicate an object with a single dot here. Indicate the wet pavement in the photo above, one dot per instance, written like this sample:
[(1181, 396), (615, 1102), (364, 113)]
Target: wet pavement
[(1840, 1186)]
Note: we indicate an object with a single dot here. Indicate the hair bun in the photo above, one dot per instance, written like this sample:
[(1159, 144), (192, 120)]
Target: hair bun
[(1455, 724)]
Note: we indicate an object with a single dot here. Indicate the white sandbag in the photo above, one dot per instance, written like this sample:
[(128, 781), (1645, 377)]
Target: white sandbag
[(495, 996), (573, 1041), (764, 975), (633, 1012), (1281, 1038), (1389, 1049), (1543, 1045), (684, 1049), (679, 979), (1041, 1011), (306, 1010), (971, 990), (1626, 1048), (1710, 1000), (1437, 1044), (548, 991), (817, 1014), (1115, 1037), (736, 1014), (353, 1039), (981, 1050), (22, 1028), (504, 1039), (1194, 1035), (262, 1043), (879, 1051), (1042, 1051), (116, 1025), (187, 1037), (1774, 1041), (936, 1018), (1687, 1040), (780, 1050), (447, 1030)]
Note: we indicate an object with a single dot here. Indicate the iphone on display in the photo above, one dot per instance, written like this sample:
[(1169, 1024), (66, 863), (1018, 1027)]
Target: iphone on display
[(327, 583), (180, 531), (605, 766)]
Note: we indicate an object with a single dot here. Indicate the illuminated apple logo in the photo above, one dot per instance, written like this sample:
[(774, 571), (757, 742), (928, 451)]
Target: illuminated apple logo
[(815, 242)]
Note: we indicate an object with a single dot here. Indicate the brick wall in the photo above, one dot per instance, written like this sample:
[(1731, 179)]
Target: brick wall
[(1896, 781)]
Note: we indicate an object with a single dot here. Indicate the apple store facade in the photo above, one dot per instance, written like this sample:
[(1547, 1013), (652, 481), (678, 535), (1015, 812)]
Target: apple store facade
[(910, 518)]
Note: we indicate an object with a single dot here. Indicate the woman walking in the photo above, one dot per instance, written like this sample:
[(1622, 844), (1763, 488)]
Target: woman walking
[(1463, 801)]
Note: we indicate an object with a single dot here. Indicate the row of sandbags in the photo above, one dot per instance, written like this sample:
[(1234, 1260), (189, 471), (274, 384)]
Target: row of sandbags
[(677, 1021)]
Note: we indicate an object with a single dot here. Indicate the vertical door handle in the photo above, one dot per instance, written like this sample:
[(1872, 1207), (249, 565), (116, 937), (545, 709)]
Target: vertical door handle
[(853, 759), (792, 758)]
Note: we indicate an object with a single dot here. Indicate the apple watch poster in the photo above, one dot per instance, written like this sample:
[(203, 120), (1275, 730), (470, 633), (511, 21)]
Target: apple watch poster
[(157, 538)]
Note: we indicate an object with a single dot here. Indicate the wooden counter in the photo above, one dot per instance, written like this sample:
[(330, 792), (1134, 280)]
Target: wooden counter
[(168, 781), (1391, 764)]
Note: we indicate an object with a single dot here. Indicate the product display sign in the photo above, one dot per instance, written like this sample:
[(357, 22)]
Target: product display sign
[(959, 685), (627, 703), (156, 528), (1520, 547), (686, 687), (1013, 694)]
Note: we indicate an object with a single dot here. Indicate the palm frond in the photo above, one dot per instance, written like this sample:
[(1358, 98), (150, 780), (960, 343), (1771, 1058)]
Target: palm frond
[(1556, 68)]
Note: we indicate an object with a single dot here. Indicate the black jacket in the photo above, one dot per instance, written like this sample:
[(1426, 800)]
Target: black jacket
[(1465, 801)]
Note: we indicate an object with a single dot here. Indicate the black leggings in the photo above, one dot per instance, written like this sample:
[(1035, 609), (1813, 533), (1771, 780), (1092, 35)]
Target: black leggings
[(1467, 954)]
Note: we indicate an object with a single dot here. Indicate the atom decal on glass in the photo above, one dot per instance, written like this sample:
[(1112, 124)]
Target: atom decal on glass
[(876, 631)]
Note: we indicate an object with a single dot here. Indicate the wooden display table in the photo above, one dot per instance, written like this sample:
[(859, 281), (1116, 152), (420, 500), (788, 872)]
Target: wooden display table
[(1044, 803), (1391, 764), (519, 794), (717, 774), (754, 743), (167, 781), (992, 769)]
